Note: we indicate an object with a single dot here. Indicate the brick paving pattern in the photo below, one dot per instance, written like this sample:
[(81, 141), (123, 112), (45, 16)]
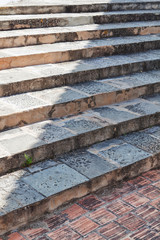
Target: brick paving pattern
[(127, 211)]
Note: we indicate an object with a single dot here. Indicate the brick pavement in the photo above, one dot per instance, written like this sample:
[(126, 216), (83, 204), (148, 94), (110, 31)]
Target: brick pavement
[(129, 210)]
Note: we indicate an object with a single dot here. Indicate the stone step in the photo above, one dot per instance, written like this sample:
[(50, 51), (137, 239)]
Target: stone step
[(13, 22), (33, 191), (26, 37), (43, 7), (27, 79), (27, 108), (70, 51), (47, 139)]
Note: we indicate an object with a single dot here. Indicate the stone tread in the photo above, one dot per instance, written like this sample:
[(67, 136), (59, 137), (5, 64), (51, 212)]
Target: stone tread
[(10, 22), (72, 15), (44, 49), (76, 45), (29, 187), (80, 6), (49, 75), (91, 27), (69, 2), (42, 139)]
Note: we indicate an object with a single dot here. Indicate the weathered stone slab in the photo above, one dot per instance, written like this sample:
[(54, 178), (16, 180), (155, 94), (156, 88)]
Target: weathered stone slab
[(144, 141), (113, 114), (124, 154), (48, 132), (55, 179), (87, 164)]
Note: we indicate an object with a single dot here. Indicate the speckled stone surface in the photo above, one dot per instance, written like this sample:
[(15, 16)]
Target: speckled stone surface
[(48, 132), (124, 154), (87, 164), (144, 141), (113, 114), (55, 179)]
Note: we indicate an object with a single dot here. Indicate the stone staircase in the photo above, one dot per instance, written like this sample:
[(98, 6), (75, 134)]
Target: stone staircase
[(80, 95)]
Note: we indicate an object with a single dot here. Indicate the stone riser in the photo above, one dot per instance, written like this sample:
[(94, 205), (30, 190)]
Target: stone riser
[(36, 210), (32, 39), (79, 8), (43, 22), (77, 77), (71, 55)]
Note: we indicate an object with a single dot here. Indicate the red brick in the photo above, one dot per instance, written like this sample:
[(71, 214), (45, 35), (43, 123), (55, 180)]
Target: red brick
[(131, 222), (15, 236), (119, 207), (150, 192), (83, 225), (156, 203), (155, 225), (102, 216), (139, 182), (91, 202), (94, 236), (157, 184), (74, 211), (33, 233), (64, 233), (153, 175), (144, 233), (135, 200), (113, 231), (148, 213), (55, 221)]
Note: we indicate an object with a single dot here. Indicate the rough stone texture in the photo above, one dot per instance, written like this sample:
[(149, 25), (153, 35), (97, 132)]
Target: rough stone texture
[(82, 88), (19, 38), (61, 52), (87, 164), (54, 180), (124, 154), (51, 75)]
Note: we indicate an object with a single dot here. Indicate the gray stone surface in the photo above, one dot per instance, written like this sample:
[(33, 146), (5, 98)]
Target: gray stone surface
[(7, 203), (3, 152), (144, 141), (87, 164), (81, 125), (154, 99), (48, 131), (58, 95), (5, 109), (23, 101), (105, 145), (124, 154), (152, 129), (94, 87), (113, 114), (139, 106), (156, 134), (23, 193), (41, 166), (55, 179), (147, 77), (21, 143)]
